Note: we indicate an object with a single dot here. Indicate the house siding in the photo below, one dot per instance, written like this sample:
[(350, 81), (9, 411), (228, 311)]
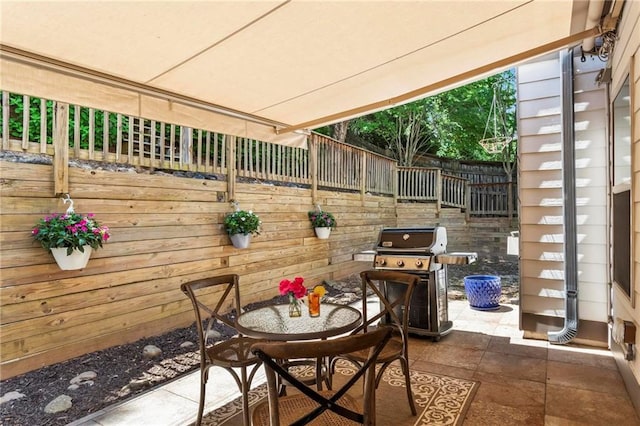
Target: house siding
[(626, 61), (542, 197), (540, 177)]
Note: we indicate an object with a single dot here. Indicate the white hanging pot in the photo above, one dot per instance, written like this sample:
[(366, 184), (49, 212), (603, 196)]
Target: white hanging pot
[(75, 260), (240, 241), (323, 233)]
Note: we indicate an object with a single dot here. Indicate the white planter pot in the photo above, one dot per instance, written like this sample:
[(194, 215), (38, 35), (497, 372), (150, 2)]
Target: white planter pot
[(323, 233), (240, 241), (75, 260)]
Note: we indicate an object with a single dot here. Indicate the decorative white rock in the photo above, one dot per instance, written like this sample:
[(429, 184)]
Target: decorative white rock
[(61, 403)]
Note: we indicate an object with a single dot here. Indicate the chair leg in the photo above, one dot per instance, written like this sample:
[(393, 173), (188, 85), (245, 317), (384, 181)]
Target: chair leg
[(203, 388), (407, 378), (245, 396)]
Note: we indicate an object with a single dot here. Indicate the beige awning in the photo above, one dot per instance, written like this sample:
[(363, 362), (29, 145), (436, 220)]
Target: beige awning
[(265, 68)]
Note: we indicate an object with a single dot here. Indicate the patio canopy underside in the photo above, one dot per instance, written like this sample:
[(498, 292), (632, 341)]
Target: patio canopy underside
[(265, 69)]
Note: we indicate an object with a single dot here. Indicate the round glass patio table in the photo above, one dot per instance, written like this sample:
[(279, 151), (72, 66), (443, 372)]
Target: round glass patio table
[(274, 323)]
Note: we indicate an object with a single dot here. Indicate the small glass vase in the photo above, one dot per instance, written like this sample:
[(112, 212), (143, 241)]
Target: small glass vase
[(295, 310)]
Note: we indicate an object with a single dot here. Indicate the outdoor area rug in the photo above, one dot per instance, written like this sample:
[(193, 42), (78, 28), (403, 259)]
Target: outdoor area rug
[(440, 400)]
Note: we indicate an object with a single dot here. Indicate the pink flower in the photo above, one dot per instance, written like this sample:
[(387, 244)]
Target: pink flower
[(35, 231), (284, 286), (295, 287)]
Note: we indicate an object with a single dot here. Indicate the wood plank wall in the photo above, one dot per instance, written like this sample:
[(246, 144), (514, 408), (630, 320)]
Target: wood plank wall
[(166, 230), (486, 236)]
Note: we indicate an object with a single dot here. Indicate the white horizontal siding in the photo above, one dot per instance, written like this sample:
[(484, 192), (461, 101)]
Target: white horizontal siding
[(539, 143), (542, 195)]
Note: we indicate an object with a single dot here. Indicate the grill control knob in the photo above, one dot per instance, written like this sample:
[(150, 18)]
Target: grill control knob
[(380, 261), (418, 263), (400, 263)]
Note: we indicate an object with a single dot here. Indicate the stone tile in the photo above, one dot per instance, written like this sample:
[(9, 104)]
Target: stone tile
[(417, 345), (465, 339), (504, 400), (475, 326), (154, 408), (522, 347), (510, 391), (221, 387), (444, 370), (586, 377), (420, 353), (580, 355), (508, 331), (586, 407), (483, 317), (511, 318), (519, 367), (559, 421), (455, 356), (486, 413)]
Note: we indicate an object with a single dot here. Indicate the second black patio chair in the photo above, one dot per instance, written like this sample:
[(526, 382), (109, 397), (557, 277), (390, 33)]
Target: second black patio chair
[(331, 408), (209, 296), (394, 290)]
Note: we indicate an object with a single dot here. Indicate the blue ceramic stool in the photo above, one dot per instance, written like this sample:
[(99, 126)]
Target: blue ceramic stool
[(483, 291)]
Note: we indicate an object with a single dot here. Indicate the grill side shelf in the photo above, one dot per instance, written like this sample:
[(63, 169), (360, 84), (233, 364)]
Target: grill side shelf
[(456, 258)]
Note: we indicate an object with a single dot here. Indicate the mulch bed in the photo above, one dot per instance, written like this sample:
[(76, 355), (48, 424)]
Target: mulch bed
[(117, 367)]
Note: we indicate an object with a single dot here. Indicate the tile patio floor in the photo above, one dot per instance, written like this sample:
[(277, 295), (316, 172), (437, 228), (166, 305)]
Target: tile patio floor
[(523, 382)]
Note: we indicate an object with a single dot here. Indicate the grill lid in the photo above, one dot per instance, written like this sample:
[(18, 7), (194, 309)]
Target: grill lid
[(418, 240)]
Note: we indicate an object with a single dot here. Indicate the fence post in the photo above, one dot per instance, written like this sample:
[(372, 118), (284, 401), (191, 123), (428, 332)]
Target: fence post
[(186, 144), (43, 128), (394, 178), (61, 150), (467, 201), (363, 175), (26, 103), (5, 119), (313, 167), (105, 136), (438, 190), (231, 166), (510, 201)]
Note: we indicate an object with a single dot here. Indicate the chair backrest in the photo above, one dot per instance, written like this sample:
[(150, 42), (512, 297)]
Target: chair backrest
[(271, 352), (209, 296), (394, 289)]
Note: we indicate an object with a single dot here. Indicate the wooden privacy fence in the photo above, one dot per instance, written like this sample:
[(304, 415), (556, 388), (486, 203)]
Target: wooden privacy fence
[(71, 131), (492, 199)]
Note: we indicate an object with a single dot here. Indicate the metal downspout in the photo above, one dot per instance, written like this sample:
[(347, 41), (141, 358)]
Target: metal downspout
[(569, 211)]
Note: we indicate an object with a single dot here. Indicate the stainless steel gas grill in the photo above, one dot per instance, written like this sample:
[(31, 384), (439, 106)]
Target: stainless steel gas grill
[(421, 251)]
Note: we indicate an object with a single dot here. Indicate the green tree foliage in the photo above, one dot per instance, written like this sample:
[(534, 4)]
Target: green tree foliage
[(407, 130), (470, 107), (16, 128), (449, 124)]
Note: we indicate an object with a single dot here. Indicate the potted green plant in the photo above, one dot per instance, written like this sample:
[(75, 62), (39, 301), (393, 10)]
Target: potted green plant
[(322, 222), (70, 237), (241, 225)]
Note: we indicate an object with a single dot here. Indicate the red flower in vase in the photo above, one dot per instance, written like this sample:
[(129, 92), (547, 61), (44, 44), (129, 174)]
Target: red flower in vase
[(293, 288)]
